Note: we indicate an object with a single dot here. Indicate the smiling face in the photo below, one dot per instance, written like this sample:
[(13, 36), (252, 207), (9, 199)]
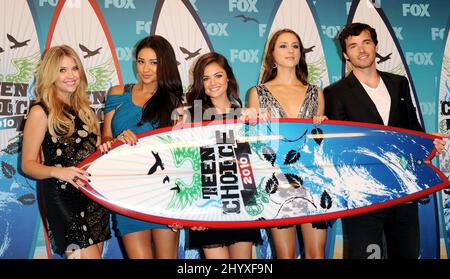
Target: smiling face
[(361, 51), (215, 81), (68, 77), (147, 65), (286, 52)]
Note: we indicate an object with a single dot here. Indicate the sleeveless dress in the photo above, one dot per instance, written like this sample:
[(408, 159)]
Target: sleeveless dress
[(308, 109), (127, 116), (73, 220), (212, 238)]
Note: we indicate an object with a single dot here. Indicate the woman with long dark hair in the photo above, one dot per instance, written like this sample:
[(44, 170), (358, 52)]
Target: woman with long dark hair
[(284, 92), (214, 95), (140, 107)]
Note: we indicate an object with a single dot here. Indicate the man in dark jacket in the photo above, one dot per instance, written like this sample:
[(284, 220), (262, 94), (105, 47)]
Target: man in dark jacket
[(371, 96)]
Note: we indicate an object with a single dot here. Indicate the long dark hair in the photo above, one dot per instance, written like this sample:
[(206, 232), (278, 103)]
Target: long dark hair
[(168, 96), (301, 70), (197, 89)]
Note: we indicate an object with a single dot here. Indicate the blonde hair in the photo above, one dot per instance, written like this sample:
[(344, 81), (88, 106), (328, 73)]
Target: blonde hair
[(60, 123)]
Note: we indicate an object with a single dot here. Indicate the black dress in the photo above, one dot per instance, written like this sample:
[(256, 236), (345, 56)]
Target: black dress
[(212, 238), (73, 220)]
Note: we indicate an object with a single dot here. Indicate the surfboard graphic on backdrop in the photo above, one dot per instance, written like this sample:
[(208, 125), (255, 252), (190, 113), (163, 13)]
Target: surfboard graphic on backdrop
[(19, 55), (390, 59), (263, 174), (178, 22), (298, 16), (444, 127), (389, 56), (80, 24)]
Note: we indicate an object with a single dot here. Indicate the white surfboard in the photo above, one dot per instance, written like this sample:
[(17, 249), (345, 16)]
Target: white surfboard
[(80, 24), (298, 16), (19, 56), (177, 21), (389, 55)]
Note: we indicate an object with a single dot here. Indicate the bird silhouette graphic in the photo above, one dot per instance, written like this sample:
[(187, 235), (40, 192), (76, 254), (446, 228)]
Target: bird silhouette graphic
[(190, 54), (308, 49), (89, 52), (383, 58), (176, 188), (16, 43), (157, 164), (1, 50), (246, 18)]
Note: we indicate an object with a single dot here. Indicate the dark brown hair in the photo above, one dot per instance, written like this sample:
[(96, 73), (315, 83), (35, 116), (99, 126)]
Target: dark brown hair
[(301, 70), (355, 29), (197, 89), (169, 94)]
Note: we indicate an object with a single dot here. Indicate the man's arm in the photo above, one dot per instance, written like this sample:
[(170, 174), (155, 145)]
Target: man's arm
[(334, 109), (413, 121)]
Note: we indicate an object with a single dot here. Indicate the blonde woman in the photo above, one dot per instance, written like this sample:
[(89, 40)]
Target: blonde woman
[(63, 126)]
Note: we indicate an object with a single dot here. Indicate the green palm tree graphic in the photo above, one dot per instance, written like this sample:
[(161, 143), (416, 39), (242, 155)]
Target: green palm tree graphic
[(25, 69), (188, 193), (102, 75)]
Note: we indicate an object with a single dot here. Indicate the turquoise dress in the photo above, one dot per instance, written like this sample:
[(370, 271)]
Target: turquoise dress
[(126, 116)]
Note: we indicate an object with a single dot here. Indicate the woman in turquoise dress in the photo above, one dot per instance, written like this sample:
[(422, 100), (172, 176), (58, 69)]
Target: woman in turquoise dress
[(140, 107)]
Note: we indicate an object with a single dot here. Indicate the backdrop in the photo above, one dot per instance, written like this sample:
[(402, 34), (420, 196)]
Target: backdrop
[(413, 41)]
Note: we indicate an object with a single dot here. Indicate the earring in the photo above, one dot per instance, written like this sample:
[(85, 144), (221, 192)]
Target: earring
[(274, 66)]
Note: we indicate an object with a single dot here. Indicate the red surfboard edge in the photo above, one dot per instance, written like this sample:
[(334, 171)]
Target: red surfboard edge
[(92, 194)]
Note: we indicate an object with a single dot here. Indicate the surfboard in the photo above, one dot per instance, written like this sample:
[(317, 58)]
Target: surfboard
[(299, 17), (19, 55), (263, 174), (178, 22), (81, 25), (390, 59), (389, 55), (444, 127)]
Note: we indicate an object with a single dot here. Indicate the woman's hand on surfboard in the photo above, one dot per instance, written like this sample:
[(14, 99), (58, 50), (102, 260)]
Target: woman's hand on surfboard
[(439, 143), (317, 119), (251, 113), (73, 175), (106, 146), (175, 227), (128, 137), (199, 228)]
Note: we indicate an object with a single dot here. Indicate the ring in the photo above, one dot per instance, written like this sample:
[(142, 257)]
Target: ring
[(75, 179), (123, 136)]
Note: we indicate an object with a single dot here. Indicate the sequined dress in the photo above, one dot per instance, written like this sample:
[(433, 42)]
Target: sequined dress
[(73, 220), (308, 109)]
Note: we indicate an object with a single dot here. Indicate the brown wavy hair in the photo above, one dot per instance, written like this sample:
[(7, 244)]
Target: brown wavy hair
[(270, 72), (197, 89)]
